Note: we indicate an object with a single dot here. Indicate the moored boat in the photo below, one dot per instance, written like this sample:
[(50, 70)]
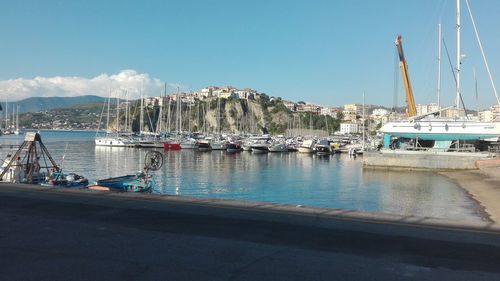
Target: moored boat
[(260, 148), (204, 146), (307, 146), (323, 148), (58, 178), (171, 146), (140, 182), (133, 183), (233, 147), (189, 144), (278, 147)]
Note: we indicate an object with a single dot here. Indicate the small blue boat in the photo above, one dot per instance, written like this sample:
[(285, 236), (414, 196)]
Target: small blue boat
[(140, 182), (134, 183)]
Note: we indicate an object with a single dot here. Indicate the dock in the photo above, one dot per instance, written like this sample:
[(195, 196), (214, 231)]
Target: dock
[(424, 160), (79, 234)]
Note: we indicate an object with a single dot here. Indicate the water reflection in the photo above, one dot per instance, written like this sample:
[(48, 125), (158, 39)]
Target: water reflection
[(334, 181)]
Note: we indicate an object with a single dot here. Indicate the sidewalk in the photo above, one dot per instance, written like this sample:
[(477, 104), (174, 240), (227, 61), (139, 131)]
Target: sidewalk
[(71, 234)]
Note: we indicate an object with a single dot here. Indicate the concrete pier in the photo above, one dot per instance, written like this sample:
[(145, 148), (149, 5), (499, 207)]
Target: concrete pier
[(423, 160), (71, 234)]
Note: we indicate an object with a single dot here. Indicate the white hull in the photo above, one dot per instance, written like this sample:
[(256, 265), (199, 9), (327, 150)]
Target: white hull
[(307, 146), (439, 129), (302, 149), (260, 148), (189, 145), (113, 142), (218, 145), (278, 148)]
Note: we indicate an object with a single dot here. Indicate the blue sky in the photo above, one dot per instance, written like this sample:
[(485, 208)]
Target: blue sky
[(325, 52)]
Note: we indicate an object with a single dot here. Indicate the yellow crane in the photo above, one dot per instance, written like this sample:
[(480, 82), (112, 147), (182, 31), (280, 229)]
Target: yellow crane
[(410, 102)]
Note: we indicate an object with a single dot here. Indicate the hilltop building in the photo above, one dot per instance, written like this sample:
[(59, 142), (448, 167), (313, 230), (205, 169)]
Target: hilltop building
[(349, 128)]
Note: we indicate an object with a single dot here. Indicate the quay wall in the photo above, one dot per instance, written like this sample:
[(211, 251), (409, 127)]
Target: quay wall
[(422, 160)]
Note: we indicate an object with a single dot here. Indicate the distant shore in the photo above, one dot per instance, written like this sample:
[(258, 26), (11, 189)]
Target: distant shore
[(483, 185)]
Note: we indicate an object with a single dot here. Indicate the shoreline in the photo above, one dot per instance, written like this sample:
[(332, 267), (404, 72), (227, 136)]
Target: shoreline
[(482, 185)]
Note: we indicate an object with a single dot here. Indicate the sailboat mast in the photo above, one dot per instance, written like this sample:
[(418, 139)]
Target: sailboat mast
[(117, 114), (457, 102), (160, 116), (6, 120), (475, 89), (126, 112), (17, 117), (107, 118), (141, 117), (482, 53), (168, 114), (439, 69), (180, 110), (363, 121)]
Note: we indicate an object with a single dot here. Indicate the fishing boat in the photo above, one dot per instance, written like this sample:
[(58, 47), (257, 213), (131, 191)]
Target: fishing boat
[(30, 164), (57, 178)]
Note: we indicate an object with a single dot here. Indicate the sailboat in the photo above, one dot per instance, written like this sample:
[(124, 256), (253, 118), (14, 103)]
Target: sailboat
[(110, 140), (428, 131)]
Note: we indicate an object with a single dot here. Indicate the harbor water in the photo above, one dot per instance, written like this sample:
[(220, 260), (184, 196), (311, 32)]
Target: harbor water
[(334, 181)]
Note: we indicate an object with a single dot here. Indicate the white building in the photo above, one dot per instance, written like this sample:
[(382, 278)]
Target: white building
[(350, 116), (427, 108), (349, 128), (290, 105), (330, 111), (492, 114), (378, 112)]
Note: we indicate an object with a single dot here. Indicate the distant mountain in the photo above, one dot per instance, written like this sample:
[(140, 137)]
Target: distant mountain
[(37, 104)]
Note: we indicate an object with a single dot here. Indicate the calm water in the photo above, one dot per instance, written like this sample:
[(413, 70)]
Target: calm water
[(335, 181)]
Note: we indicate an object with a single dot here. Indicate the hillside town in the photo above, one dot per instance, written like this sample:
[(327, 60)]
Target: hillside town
[(351, 116)]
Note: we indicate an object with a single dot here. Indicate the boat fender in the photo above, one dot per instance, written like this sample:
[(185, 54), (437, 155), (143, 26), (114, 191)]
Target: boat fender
[(430, 127)]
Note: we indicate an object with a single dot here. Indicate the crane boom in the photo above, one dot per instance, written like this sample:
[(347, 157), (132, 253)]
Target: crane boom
[(410, 102)]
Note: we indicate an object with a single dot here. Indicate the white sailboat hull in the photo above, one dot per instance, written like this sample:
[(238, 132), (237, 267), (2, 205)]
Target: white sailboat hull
[(438, 129)]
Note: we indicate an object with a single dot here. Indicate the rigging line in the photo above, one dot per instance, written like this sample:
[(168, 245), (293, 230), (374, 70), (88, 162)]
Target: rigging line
[(482, 51), (452, 71)]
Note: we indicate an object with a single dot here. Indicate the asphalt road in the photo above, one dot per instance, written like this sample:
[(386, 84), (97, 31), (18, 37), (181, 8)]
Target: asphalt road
[(48, 234)]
